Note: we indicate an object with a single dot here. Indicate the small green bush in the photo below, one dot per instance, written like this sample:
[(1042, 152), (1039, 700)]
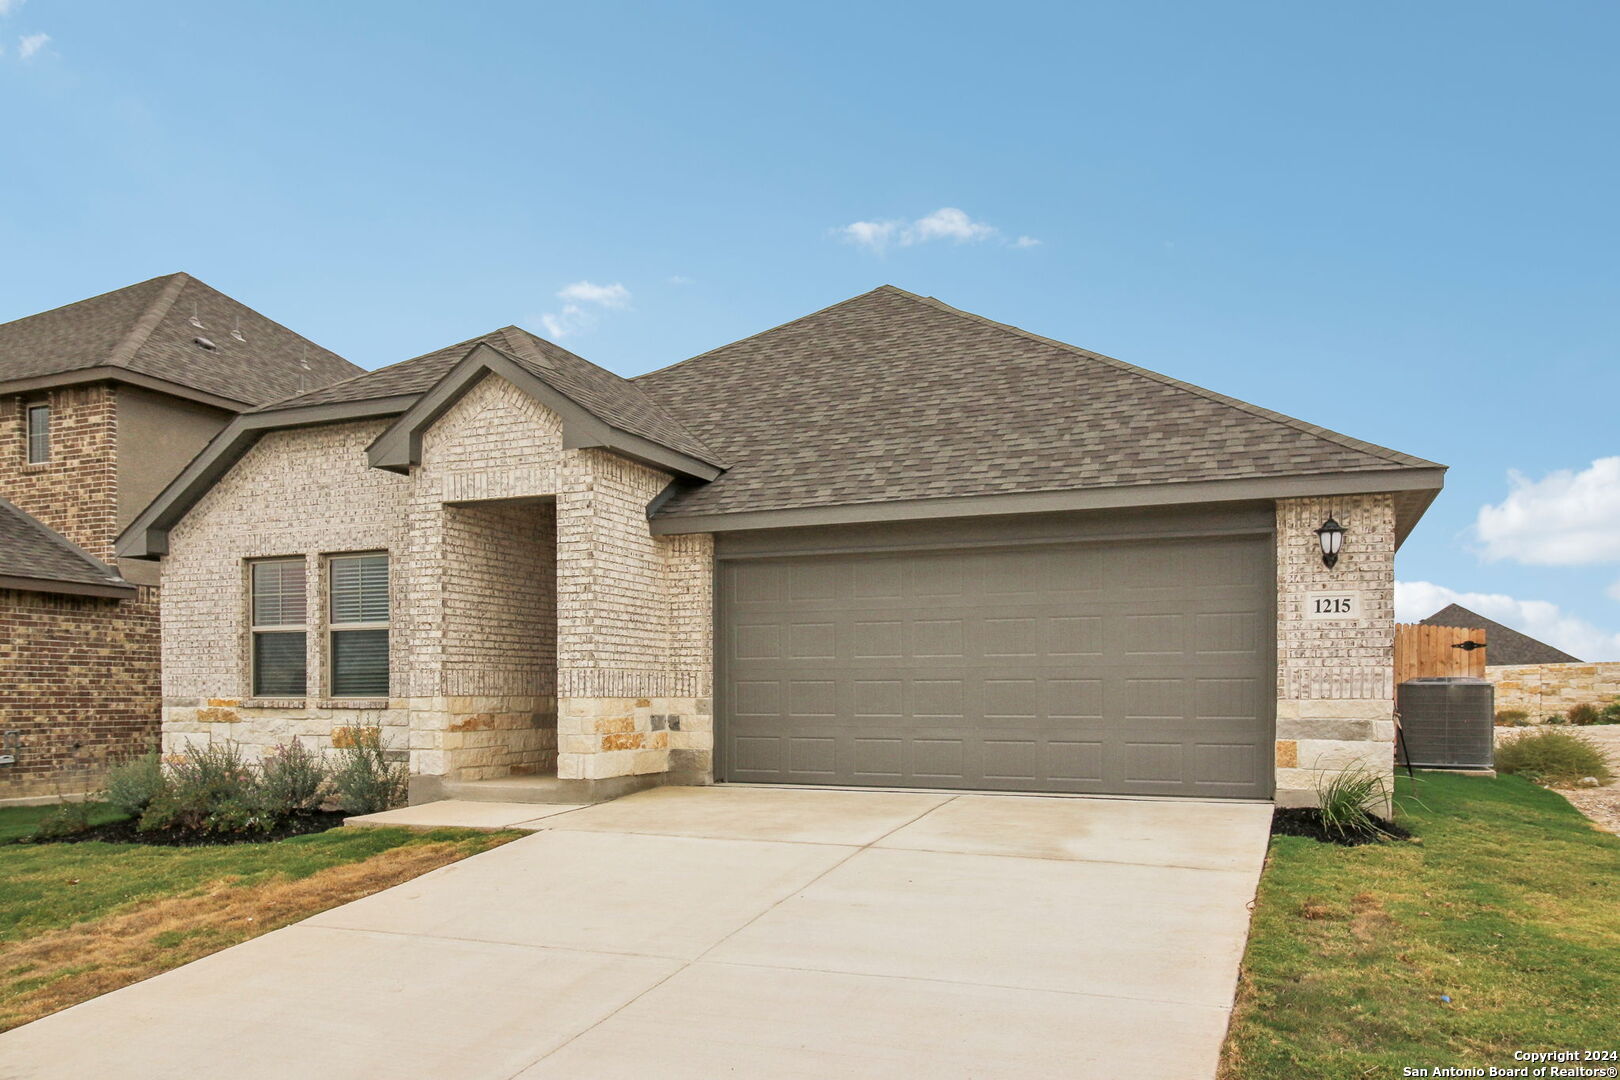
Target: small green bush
[(133, 784), (69, 819), (1610, 713), (1512, 718), (212, 790), (1554, 758), (1556, 718), (365, 780), (292, 778), (1583, 714), (1349, 801)]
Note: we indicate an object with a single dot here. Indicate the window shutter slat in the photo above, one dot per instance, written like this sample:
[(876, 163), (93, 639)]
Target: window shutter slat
[(279, 664), (360, 589), (278, 593), (360, 663)]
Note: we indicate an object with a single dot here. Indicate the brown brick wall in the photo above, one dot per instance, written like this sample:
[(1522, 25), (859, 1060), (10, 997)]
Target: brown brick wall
[(78, 675), (76, 492), (78, 683)]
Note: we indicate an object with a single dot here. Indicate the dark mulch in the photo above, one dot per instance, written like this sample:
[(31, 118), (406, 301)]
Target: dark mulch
[(125, 832), (1307, 822)]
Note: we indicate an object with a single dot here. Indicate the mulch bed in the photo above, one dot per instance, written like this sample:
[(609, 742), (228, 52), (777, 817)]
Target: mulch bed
[(125, 832), (1306, 821)]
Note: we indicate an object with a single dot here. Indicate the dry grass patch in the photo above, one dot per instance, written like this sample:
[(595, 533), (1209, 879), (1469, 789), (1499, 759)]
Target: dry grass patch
[(48, 970)]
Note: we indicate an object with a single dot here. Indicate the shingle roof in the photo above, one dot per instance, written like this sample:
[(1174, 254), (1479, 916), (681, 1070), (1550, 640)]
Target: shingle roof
[(614, 400), (29, 549), (1503, 644), (147, 329), (891, 396)]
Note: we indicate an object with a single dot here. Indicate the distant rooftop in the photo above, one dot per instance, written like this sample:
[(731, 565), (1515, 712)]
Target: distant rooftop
[(1503, 644)]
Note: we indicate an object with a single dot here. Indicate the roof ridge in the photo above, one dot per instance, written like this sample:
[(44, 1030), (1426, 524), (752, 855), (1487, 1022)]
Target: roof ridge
[(142, 327), (772, 330), (1328, 434), (57, 538)]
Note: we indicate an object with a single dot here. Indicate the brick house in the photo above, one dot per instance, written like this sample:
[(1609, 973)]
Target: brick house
[(102, 402), (888, 544)]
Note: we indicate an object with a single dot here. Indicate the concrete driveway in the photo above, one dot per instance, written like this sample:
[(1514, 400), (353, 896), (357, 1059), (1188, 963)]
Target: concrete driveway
[(733, 931)]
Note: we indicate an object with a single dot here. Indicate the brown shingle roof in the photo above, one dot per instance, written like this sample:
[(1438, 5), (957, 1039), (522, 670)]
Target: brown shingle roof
[(30, 549), (1503, 644), (892, 396), (147, 329), (614, 400)]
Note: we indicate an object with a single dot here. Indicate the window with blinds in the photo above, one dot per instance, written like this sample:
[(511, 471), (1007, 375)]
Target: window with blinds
[(280, 606), (39, 434), (358, 625)]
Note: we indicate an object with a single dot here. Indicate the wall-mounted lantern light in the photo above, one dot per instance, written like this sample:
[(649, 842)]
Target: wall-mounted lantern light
[(1331, 536)]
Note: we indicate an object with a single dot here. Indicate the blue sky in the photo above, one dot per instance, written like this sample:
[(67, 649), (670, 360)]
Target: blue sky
[(1395, 220)]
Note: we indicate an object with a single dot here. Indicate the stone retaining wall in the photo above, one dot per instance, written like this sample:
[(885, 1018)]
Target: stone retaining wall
[(1544, 690)]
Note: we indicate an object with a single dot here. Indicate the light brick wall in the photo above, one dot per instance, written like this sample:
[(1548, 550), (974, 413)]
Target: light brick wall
[(1544, 690), (527, 585), (1335, 678)]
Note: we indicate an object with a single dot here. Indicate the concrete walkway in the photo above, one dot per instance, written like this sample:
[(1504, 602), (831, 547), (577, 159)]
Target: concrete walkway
[(751, 932)]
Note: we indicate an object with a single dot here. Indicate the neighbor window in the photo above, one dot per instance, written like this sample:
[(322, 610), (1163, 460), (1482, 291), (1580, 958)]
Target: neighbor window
[(39, 434), (357, 620), (279, 607)]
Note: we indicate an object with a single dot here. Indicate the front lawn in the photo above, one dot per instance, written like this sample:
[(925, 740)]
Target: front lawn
[(78, 920), (1507, 903)]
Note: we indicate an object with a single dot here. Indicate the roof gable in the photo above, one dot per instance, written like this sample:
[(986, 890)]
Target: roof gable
[(1503, 644), (891, 396), (148, 332)]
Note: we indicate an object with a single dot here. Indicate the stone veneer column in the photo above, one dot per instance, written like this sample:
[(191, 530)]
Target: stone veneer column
[(1335, 678)]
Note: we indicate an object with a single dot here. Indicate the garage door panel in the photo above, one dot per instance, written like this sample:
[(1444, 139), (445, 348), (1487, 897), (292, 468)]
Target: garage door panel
[(1123, 668)]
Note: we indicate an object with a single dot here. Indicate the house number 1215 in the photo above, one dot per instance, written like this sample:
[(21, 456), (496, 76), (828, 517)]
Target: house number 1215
[(1333, 606)]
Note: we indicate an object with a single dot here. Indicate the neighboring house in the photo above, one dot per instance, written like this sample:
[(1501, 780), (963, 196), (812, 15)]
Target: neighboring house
[(1503, 644), (888, 544), (102, 402)]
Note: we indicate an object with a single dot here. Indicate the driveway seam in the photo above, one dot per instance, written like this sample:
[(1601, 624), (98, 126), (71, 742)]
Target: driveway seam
[(687, 964)]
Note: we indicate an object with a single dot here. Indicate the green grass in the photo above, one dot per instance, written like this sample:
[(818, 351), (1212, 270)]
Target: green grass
[(1508, 903), (77, 920), (18, 822)]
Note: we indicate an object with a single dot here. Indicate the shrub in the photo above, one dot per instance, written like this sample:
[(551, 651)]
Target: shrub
[(212, 790), (1554, 758), (366, 781), (1610, 713), (1583, 714), (1512, 718), (133, 784), (1556, 718), (69, 819), (1349, 801), (292, 778)]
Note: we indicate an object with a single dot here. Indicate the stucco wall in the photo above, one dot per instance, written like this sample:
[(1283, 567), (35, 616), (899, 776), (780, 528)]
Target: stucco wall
[(1544, 690), (1335, 678)]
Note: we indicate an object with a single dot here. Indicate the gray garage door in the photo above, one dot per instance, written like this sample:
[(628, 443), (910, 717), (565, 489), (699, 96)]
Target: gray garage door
[(1125, 668)]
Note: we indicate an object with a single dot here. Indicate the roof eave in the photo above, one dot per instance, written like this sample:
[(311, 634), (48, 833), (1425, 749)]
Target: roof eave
[(107, 373), (110, 590), (1107, 498)]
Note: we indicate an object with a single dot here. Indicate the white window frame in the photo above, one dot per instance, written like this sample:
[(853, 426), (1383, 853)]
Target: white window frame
[(329, 675), (38, 450), (255, 629)]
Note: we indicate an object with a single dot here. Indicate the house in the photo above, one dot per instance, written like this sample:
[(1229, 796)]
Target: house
[(888, 544), (102, 402), (1503, 644)]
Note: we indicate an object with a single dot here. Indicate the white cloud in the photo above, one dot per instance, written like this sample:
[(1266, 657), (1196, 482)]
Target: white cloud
[(613, 296), (1614, 591), (681, 279), (1545, 621), (9, 7), (946, 223), (1566, 518), (580, 312), (29, 44)]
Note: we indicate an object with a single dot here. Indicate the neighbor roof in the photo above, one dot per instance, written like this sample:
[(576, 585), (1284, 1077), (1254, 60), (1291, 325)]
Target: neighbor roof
[(145, 333), (892, 396), (36, 558), (613, 399), (1503, 644)]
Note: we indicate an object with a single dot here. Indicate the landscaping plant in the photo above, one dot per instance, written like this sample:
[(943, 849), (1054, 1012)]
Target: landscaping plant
[(133, 784), (1584, 714), (1349, 801), (1553, 758), (211, 790), (1512, 718), (366, 781), (292, 778)]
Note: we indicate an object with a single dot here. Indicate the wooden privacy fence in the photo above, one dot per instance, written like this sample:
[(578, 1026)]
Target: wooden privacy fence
[(1427, 652)]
